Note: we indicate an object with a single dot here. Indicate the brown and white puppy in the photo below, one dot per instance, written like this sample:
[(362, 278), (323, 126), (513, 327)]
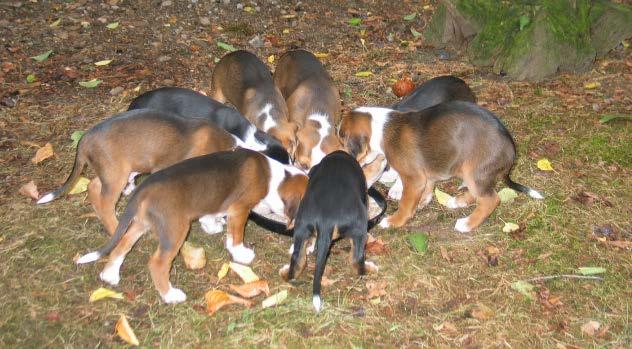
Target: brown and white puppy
[(243, 80), (453, 139), (228, 183), (313, 103), (134, 142)]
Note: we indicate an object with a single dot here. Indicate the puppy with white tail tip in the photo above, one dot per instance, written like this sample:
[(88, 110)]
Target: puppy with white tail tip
[(452, 139), (334, 206), (226, 183)]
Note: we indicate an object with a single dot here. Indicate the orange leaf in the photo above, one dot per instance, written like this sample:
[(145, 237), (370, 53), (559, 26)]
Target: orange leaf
[(252, 289), (125, 331), (43, 153), (215, 299), (30, 189), (375, 246)]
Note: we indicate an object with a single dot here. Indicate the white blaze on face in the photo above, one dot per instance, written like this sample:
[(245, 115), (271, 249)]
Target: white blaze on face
[(317, 153), (268, 122), (379, 116)]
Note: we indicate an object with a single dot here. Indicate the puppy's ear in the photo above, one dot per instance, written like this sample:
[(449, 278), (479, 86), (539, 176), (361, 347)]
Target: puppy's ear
[(356, 145)]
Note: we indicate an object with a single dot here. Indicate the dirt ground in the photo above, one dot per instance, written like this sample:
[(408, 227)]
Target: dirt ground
[(457, 294)]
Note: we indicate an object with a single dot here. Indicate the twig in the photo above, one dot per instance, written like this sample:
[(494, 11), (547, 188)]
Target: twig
[(566, 276)]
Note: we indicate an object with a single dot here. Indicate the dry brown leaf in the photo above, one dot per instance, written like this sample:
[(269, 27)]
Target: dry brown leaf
[(590, 327), (446, 326), (194, 257), (30, 189), (326, 282), (622, 244), (444, 254), (43, 153), (215, 299), (252, 289), (482, 312), (124, 331), (376, 247), (376, 289), (492, 253)]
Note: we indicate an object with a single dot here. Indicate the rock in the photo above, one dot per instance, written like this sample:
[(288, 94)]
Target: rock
[(205, 21), (163, 59), (256, 42), (166, 3), (240, 6), (116, 91)]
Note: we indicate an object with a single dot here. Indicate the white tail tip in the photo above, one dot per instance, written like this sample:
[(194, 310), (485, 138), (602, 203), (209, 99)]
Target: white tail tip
[(46, 199), (89, 258), (318, 304), (534, 194)]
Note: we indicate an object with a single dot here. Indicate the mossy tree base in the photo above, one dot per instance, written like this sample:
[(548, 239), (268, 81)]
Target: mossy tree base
[(530, 40)]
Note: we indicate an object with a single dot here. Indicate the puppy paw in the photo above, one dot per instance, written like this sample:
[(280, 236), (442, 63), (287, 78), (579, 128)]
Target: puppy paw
[(174, 296), (454, 203), (291, 250), (370, 267), (384, 223), (241, 254), (284, 271), (318, 304), (463, 225), (395, 193), (211, 225), (311, 248), (111, 276), (389, 176), (131, 185)]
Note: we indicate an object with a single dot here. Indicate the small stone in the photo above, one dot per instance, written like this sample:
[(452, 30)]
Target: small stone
[(166, 3), (256, 42), (102, 20), (116, 91), (240, 6), (596, 107), (205, 21), (163, 59)]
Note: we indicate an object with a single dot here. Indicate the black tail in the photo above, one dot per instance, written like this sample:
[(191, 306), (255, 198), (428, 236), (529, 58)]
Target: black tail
[(381, 201), (80, 161), (522, 188), (323, 243)]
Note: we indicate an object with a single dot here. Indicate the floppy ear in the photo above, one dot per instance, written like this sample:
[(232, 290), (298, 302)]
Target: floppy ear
[(356, 145)]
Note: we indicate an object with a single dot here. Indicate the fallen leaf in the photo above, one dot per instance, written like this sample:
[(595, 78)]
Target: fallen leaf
[(591, 270), (415, 33), (244, 272), (226, 47), (403, 87), (445, 326), (326, 282), (492, 253), (523, 287), (53, 316), (55, 23), (275, 299), (216, 299), (592, 85), (102, 293), (354, 21), (43, 153), (112, 25), (590, 327), (622, 244), (510, 227), (376, 289), (91, 83), (103, 62), (442, 197), (507, 195), (30, 78), (252, 289), (248, 9), (124, 331), (271, 59), (375, 246), (194, 257), (286, 31), (444, 254), (321, 55), (80, 186), (30, 189), (76, 137), (42, 57), (419, 241), (481, 312), (410, 17), (544, 256), (363, 74), (609, 117), (223, 271), (544, 165)]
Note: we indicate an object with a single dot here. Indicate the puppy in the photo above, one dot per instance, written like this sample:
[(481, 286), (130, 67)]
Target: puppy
[(334, 206), (190, 103), (434, 91), (243, 80), (452, 139), (313, 103), (134, 142), (228, 183)]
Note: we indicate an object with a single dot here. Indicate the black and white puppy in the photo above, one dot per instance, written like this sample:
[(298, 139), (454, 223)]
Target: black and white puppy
[(334, 206), (189, 103)]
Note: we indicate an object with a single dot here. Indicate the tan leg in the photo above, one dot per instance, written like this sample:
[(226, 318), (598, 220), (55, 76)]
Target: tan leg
[(485, 205), (103, 194), (160, 264), (357, 258), (427, 194), (236, 222), (413, 188), (300, 264), (110, 273)]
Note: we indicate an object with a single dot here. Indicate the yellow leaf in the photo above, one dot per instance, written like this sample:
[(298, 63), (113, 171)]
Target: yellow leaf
[(363, 74), (510, 227), (55, 24), (321, 55), (104, 293), (544, 165), (244, 272), (286, 31), (194, 257), (124, 331), (442, 197), (275, 299), (103, 62), (43, 153), (248, 9), (223, 271), (80, 186), (271, 59), (592, 85)]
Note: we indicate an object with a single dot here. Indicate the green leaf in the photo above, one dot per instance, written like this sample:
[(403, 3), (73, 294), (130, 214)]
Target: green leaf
[(30, 78), (90, 84), (43, 56), (524, 21), (591, 270), (355, 21), (419, 241), (415, 33), (112, 25), (225, 46), (410, 17), (609, 117), (231, 327), (76, 137), (363, 74), (507, 195), (346, 92), (523, 287)]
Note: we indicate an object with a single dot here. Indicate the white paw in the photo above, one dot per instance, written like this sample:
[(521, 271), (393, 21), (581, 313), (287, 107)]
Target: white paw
[(389, 176), (242, 254), (284, 269), (211, 224), (291, 250), (395, 193), (318, 304), (384, 223), (131, 185), (174, 295), (111, 276), (312, 247), (370, 266), (229, 242), (462, 225), (454, 203)]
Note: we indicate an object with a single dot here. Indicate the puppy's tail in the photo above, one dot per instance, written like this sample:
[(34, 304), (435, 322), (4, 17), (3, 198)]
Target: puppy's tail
[(124, 223), (80, 161), (381, 201), (522, 188), (323, 243)]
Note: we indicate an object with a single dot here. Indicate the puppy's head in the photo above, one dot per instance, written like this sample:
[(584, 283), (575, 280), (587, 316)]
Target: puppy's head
[(312, 147), (355, 134), (291, 191), (285, 132)]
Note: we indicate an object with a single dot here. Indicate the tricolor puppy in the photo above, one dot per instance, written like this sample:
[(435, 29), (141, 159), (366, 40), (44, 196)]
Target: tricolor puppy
[(190, 103), (313, 103), (334, 206), (453, 139), (226, 183), (434, 91), (243, 80), (134, 142)]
